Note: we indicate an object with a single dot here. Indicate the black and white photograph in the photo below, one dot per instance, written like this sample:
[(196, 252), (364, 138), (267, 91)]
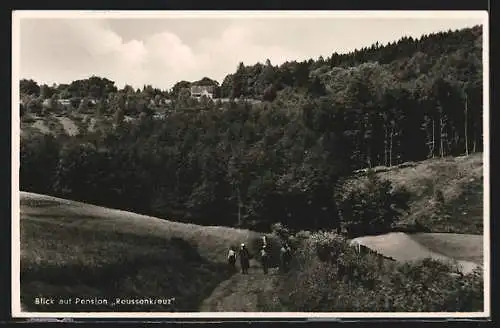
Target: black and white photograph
[(199, 164)]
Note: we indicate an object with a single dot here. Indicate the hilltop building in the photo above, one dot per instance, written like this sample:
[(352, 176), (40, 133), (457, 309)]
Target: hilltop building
[(198, 91)]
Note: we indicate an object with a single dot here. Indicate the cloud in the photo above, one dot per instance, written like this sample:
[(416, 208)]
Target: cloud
[(63, 50), (58, 50), (239, 43), (168, 57)]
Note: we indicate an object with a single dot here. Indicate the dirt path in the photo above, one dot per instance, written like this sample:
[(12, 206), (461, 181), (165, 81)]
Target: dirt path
[(241, 292)]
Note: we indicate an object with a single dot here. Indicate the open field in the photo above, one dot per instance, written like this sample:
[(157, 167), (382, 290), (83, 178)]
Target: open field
[(462, 247), (465, 250), (69, 125), (70, 249)]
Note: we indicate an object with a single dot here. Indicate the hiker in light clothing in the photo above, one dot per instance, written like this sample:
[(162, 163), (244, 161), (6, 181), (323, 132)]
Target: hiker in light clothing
[(231, 258), (244, 259), (264, 258)]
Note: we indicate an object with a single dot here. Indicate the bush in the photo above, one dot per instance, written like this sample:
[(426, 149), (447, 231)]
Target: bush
[(372, 207), (284, 235), (329, 276), (438, 196), (280, 230), (417, 225), (437, 215), (27, 119), (303, 234)]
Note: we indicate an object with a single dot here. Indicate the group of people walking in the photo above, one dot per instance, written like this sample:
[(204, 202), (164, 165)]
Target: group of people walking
[(264, 257)]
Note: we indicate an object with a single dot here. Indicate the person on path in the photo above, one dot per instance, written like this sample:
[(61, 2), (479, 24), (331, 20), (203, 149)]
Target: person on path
[(264, 259), (284, 257), (288, 255), (244, 259), (231, 258)]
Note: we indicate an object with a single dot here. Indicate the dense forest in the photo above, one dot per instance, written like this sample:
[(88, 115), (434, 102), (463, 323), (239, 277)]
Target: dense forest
[(246, 163)]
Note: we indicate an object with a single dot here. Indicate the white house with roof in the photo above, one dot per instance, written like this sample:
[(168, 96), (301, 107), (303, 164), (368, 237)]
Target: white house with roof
[(198, 91)]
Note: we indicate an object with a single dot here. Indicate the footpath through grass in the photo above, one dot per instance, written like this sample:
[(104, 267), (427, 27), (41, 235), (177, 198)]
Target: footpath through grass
[(73, 250), (244, 292)]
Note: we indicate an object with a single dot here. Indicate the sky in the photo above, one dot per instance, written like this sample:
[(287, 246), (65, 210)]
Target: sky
[(161, 51)]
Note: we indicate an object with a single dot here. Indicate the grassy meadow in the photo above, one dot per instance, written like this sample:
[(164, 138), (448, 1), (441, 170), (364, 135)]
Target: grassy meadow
[(71, 249)]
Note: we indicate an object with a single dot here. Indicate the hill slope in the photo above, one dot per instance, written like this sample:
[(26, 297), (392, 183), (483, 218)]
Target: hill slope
[(72, 249), (464, 249), (458, 179)]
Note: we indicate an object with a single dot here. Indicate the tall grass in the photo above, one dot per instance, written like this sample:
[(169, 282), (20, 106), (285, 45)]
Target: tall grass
[(70, 262), (70, 249)]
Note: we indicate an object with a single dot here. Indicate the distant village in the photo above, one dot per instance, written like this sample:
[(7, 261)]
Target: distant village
[(197, 92)]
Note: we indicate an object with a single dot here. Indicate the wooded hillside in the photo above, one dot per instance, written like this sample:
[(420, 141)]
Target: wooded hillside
[(247, 164)]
